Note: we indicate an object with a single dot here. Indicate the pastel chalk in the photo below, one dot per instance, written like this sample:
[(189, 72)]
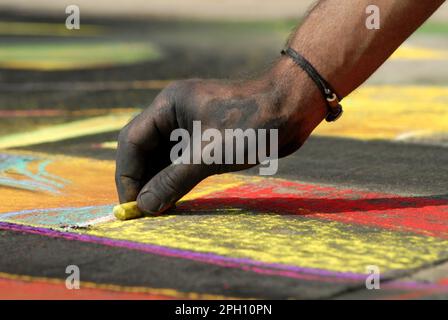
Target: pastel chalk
[(127, 211)]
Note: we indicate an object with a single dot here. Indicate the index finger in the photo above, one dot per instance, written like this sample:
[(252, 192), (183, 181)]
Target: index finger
[(130, 163)]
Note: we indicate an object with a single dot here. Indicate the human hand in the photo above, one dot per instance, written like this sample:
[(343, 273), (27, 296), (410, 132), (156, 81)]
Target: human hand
[(144, 168)]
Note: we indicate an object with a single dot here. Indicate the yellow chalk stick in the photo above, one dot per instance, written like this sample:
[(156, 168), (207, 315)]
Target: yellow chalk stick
[(127, 211)]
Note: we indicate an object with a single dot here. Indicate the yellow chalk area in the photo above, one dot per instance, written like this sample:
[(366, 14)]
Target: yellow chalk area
[(47, 29), (47, 55), (389, 112), (115, 288), (109, 145), (419, 53), (386, 112), (68, 130), (290, 240)]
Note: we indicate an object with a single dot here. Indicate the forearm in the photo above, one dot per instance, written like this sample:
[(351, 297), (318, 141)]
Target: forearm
[(335, 39)]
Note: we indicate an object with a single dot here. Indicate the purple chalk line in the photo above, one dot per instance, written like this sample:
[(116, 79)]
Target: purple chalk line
[(241, 263)]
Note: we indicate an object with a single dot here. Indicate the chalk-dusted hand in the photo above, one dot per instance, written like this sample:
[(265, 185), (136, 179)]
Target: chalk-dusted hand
[(145, 171)]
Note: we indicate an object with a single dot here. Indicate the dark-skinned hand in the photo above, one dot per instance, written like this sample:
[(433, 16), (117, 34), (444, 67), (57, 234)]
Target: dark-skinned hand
[(278, 100)]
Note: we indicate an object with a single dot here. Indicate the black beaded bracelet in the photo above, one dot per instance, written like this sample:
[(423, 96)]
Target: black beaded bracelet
[(331, 97)]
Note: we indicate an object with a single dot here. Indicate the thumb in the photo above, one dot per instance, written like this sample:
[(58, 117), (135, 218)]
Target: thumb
[(169, 185)]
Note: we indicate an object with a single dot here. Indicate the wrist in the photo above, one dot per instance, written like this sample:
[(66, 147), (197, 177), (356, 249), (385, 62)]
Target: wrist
[(300, 96)]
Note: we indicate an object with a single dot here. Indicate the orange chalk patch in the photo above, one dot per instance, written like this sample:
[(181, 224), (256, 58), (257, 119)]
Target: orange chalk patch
[(18, 287)]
